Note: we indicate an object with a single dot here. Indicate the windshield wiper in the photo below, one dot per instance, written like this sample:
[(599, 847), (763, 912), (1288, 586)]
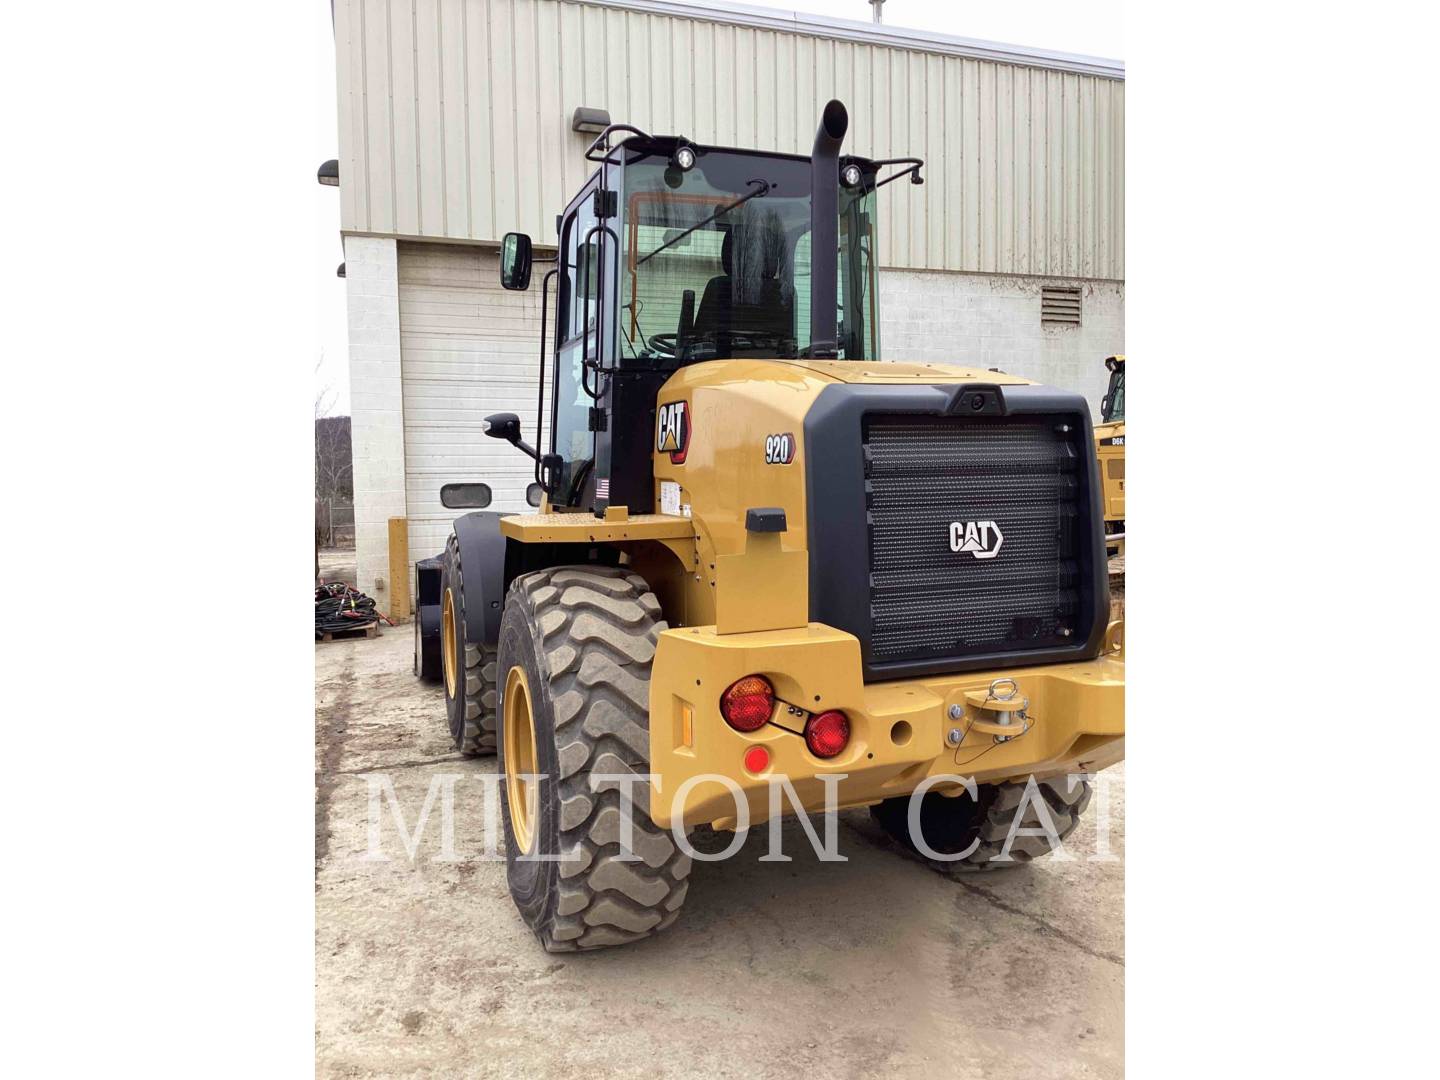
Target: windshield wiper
[(760, 192)]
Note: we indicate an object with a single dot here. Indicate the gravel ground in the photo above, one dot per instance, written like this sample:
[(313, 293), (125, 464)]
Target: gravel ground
[(875, 966)]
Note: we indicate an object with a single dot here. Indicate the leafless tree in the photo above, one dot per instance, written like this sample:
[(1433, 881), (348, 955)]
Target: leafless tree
[(333, 481), (333, 476)]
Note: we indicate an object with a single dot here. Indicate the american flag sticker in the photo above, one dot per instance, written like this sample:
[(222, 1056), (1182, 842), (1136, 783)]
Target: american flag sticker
[(602, 488)]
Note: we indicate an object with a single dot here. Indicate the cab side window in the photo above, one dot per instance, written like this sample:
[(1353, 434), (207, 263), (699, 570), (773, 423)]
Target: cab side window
[(579, 269)]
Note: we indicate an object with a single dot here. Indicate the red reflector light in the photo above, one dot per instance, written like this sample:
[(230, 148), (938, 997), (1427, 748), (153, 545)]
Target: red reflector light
[(827, 734), (748, 703), (757, 759)]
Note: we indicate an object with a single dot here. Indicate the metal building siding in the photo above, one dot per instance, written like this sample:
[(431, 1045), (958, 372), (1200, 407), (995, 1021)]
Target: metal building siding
[(454, 123), (467, 349)]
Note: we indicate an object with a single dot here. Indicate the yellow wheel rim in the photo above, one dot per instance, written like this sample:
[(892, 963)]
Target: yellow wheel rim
[(447, 638), (522, 787)]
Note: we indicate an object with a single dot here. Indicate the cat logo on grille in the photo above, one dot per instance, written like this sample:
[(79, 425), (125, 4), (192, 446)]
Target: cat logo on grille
[(672, 431), (980, 538)]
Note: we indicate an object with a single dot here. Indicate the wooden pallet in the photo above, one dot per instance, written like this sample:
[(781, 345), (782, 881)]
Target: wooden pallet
[(373, 630)]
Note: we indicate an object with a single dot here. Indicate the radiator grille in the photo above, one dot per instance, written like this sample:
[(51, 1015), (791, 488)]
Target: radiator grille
[(924, 474)]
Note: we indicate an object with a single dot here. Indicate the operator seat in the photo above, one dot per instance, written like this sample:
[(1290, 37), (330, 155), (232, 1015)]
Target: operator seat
[(730, 306)]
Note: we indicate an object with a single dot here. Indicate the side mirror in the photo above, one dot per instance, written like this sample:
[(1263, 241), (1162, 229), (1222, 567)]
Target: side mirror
[(465, 496), (534, 493), (506, 425), (515, 261), (501, 425)]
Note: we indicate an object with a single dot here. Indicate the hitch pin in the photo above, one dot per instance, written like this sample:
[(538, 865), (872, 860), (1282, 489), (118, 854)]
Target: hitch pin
[(1003, 715), (998, 702)]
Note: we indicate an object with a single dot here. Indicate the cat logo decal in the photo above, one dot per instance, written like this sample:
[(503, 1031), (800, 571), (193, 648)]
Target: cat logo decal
[(672, 435)]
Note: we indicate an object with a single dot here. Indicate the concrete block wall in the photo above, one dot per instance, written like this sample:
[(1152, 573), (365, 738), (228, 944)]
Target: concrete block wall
[(377, 414), (989, 321)]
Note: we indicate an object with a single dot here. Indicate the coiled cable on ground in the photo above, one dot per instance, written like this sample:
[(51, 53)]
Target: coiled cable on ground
[(338, 607)]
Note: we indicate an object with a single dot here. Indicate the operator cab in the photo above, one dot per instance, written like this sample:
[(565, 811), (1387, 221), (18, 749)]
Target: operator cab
[(716, 260), (674, 254)]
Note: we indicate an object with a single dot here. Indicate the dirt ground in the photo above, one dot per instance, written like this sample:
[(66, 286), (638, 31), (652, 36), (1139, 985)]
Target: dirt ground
[(872, 967), (337, 564)]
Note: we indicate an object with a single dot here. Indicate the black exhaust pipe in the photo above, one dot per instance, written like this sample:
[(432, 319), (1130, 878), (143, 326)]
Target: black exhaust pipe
[(825, 229)]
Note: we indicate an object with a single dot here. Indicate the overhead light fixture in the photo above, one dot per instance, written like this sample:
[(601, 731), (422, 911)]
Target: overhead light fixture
[(340, 270), (585, 119), (329, 173), (685, 158), (851, 175)]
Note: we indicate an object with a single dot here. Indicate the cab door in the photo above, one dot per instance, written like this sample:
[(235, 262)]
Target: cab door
[(575, 338)]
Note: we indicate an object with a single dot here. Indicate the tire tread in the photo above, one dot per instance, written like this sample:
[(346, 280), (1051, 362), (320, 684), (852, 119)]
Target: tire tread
[(992, 822), (596, 633), (479, 728)]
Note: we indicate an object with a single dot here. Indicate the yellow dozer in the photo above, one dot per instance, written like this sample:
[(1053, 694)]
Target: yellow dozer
[(1110, 449), (763, 555)]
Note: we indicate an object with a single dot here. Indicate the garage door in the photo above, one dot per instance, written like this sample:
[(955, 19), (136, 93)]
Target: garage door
[(468, 348)]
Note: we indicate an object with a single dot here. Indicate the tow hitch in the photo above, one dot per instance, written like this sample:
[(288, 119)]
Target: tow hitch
[(996, 711)]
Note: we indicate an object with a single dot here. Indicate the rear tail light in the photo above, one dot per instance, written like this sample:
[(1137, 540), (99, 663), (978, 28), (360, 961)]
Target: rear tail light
[(748, 703), (827, 734)]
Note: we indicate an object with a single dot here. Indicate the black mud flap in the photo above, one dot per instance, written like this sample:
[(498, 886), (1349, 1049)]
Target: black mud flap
[(427, 619)]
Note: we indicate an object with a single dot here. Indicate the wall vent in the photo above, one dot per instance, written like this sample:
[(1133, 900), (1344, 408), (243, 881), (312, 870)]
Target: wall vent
[(1060, 306)]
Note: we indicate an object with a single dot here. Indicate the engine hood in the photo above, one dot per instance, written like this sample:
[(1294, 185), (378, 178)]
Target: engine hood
[(899, 371)]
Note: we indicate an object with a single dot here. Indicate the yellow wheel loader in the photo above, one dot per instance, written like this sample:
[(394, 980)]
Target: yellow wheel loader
[(1110, 449), (765, 561)]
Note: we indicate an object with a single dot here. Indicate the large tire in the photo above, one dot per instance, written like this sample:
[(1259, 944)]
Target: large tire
[(577, 643), (951, 825), (470, 698)]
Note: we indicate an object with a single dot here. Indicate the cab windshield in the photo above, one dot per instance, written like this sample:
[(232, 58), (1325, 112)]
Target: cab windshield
[(715, 261)]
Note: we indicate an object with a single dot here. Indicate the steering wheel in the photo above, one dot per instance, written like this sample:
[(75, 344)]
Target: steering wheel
[(750, 339), (667, 346)]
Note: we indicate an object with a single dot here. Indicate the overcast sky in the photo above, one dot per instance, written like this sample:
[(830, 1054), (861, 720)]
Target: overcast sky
[(1092, 27)]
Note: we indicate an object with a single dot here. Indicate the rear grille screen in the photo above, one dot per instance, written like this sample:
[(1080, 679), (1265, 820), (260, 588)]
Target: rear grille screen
[(1009, 493)]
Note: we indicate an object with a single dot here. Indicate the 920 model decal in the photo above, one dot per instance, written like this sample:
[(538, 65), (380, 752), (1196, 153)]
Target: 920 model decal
[(779, 449), (672, 431)]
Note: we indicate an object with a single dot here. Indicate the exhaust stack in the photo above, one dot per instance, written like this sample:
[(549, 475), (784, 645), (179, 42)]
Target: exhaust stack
[(825, 228)]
